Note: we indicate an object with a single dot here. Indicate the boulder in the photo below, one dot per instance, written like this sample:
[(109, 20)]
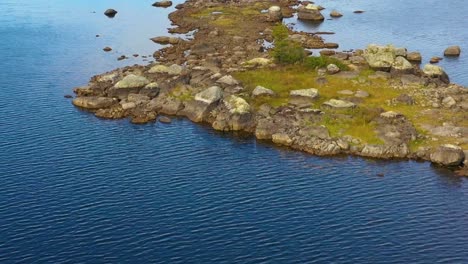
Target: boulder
[(132, 81), (332, 69), (453, 51), (164, 3), (414, 57), (107, 49), (237, 105), (227, 80), (380, 57), (210, 95), (274, 14), (448, 155), (93, 102), (262, 91), (401, 66), (436, 72), (110, 12), (334, 103), (448, 102), (310, 12), (335, 13)]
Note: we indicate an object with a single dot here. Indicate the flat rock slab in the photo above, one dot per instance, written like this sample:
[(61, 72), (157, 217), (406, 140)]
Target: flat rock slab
[(334, 103), (210, 95), (132, 81)]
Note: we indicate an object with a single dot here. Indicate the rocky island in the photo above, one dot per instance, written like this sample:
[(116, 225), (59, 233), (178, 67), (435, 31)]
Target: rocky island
[(245, 71)]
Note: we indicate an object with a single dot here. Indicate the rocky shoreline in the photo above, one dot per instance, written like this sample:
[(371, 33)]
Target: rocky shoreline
[(382, 106)]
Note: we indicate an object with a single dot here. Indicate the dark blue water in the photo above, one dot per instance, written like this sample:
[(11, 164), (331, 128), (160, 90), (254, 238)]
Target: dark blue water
[(74, 188)]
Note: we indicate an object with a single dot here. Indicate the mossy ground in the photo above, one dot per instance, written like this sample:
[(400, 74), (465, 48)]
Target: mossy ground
[(354, 122)]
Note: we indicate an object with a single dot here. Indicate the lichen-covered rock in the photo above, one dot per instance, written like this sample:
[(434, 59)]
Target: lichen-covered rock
[(436, 72), (132, 81), (237, 105), (448, 155), (402, 65), (258, 62), (380, 57)]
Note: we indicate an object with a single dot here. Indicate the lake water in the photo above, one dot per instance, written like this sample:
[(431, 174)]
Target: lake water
[(427, 26), (77, 189)]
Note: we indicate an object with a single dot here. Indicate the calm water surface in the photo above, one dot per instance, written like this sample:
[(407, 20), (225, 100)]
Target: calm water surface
[(427, 26), (82, 190)]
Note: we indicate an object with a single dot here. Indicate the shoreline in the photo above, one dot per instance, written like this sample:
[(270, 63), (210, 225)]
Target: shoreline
[(215, 78)]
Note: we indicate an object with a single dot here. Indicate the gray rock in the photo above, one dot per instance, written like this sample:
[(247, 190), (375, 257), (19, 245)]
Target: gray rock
[(262, 91), (210, 95), (227, 80), (346, 92), (361, 94), (448, 155), (448, 102), (332, 69), (334, 103), (401, 65), (132, 81), (303, 97)]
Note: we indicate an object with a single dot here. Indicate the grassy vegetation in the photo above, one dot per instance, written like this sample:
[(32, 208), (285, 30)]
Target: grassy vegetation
[(354, 122), (231, 18)]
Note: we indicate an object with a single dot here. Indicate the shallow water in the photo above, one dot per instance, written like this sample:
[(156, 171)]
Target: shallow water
[(75, 188), (427, 26)]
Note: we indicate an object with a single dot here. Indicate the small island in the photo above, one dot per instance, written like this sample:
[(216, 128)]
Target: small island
[(245, 71)]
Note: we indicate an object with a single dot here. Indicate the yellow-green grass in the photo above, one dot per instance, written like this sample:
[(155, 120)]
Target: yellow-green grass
[(357, 122)]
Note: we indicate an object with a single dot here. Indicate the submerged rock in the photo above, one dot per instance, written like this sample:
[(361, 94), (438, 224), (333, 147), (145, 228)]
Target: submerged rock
[(164, 3), (452, 51), (110, 12)]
